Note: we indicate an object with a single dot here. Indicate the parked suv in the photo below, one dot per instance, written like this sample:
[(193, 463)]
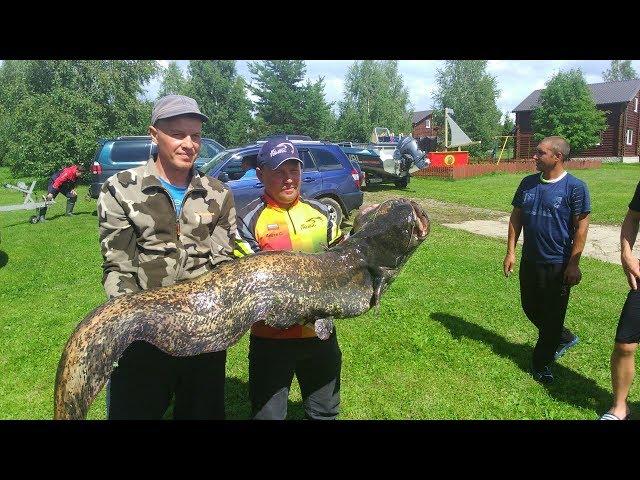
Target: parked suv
[(117, 154), (327, 174)]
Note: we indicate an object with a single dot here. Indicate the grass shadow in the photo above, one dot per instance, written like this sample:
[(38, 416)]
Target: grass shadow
[(9, 225), (236, 399), (78, 214), (237, 405), (386, 187), (50, 218), (569, 386), (4, 258)]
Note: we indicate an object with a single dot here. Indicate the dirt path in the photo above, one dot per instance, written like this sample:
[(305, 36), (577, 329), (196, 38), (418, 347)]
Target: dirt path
[(603, 241)]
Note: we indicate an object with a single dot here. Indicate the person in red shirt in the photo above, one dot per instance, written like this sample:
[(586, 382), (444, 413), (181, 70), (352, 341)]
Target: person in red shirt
[(64, 181)]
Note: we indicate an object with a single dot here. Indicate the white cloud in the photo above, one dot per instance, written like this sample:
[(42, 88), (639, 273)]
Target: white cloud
[(497, 65), (591, 78), (334, 89)]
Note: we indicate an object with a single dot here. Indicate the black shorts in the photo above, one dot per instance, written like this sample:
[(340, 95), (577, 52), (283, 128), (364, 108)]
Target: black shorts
[(629, 324)]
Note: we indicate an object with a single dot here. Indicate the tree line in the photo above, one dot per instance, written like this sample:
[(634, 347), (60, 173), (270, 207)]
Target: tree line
[(53, 112)]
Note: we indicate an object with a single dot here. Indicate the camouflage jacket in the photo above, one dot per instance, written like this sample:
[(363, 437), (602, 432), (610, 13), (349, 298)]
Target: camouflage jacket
[(145, 244)]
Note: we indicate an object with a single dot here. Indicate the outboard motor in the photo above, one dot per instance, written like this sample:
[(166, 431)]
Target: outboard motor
[(408, 153)]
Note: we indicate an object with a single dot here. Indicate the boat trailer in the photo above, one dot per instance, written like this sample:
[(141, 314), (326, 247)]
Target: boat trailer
[(29, 202)]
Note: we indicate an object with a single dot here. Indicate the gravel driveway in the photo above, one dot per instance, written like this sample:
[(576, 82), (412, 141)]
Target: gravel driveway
[(603, 241)]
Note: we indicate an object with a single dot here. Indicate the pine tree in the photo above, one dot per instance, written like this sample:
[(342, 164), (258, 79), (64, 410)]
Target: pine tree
[(318, 120), (220, 93), (281, 96)]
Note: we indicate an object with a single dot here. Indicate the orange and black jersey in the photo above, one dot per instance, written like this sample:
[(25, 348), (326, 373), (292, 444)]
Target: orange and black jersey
[(307, 226)]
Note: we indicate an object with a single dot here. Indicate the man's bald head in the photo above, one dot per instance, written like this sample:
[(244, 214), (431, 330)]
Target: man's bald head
[(558, 145)]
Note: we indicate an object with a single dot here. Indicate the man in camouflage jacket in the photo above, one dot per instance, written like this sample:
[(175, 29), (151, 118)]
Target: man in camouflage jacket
[(161, 223)]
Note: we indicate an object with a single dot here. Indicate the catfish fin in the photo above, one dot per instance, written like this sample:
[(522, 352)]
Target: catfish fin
[(381, 278), (323, 327)]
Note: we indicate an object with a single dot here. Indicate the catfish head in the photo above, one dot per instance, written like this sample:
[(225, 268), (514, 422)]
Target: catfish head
[(394, 229), (386, 235)]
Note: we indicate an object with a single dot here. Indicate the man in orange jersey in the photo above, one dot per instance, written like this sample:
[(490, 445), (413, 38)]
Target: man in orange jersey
[(282, 220)]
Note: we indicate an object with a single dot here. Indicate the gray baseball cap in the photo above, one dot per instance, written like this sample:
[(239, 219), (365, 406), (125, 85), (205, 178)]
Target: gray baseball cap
[(174, 105)]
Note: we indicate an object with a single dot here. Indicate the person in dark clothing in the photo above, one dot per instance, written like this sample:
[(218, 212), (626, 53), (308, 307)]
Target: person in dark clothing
[(63, 181), (628, 331), (553, 209)]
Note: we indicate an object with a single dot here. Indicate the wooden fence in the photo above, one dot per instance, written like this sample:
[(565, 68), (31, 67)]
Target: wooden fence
[(513, 166)]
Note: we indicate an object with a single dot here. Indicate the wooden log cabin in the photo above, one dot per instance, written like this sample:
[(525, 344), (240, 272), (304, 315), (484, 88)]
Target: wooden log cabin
[(618, 142), (422, 124)]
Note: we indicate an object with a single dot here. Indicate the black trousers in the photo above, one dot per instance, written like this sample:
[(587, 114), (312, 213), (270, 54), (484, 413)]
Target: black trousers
[(146, 378), (316, 363), (544, 298)]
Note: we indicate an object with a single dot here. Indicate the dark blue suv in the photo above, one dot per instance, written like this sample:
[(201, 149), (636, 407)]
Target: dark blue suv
[(327, 174)]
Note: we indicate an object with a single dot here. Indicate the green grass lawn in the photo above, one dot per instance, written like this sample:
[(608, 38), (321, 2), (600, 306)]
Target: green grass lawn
[(449, 341), (611, 188)]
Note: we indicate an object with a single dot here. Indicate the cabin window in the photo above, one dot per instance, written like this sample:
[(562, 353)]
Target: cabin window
[(635, 107), (629, 136), (427, 122)]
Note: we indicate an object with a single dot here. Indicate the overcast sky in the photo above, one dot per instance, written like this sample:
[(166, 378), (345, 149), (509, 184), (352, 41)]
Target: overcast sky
[(516, 78)]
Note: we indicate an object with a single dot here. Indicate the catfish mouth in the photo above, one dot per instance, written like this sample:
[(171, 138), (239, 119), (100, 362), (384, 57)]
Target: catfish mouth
[(422, 224)]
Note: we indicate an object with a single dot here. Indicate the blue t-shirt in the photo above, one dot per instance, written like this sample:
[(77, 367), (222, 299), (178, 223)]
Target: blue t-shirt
[(251, 173), (177, 194), (547, 216)]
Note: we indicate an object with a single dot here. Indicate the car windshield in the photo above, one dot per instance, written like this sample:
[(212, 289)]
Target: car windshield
[(210, 148), (211, 164)]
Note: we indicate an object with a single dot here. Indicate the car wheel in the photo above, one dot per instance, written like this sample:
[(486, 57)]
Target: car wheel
[(336, 206), (403, 182)]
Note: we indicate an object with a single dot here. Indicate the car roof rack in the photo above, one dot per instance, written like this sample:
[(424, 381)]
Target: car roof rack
[(286, 136), (143, 137), (291, 138)]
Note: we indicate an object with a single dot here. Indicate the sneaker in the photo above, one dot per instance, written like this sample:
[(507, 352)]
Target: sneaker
[(563, 347), (543, 376)]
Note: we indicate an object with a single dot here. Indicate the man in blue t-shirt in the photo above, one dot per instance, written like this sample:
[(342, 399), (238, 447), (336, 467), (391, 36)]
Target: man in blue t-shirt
[(249, 166), (553, 209)]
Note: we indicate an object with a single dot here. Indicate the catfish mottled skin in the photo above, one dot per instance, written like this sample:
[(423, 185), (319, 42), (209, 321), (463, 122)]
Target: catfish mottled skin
[(212, 312)]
